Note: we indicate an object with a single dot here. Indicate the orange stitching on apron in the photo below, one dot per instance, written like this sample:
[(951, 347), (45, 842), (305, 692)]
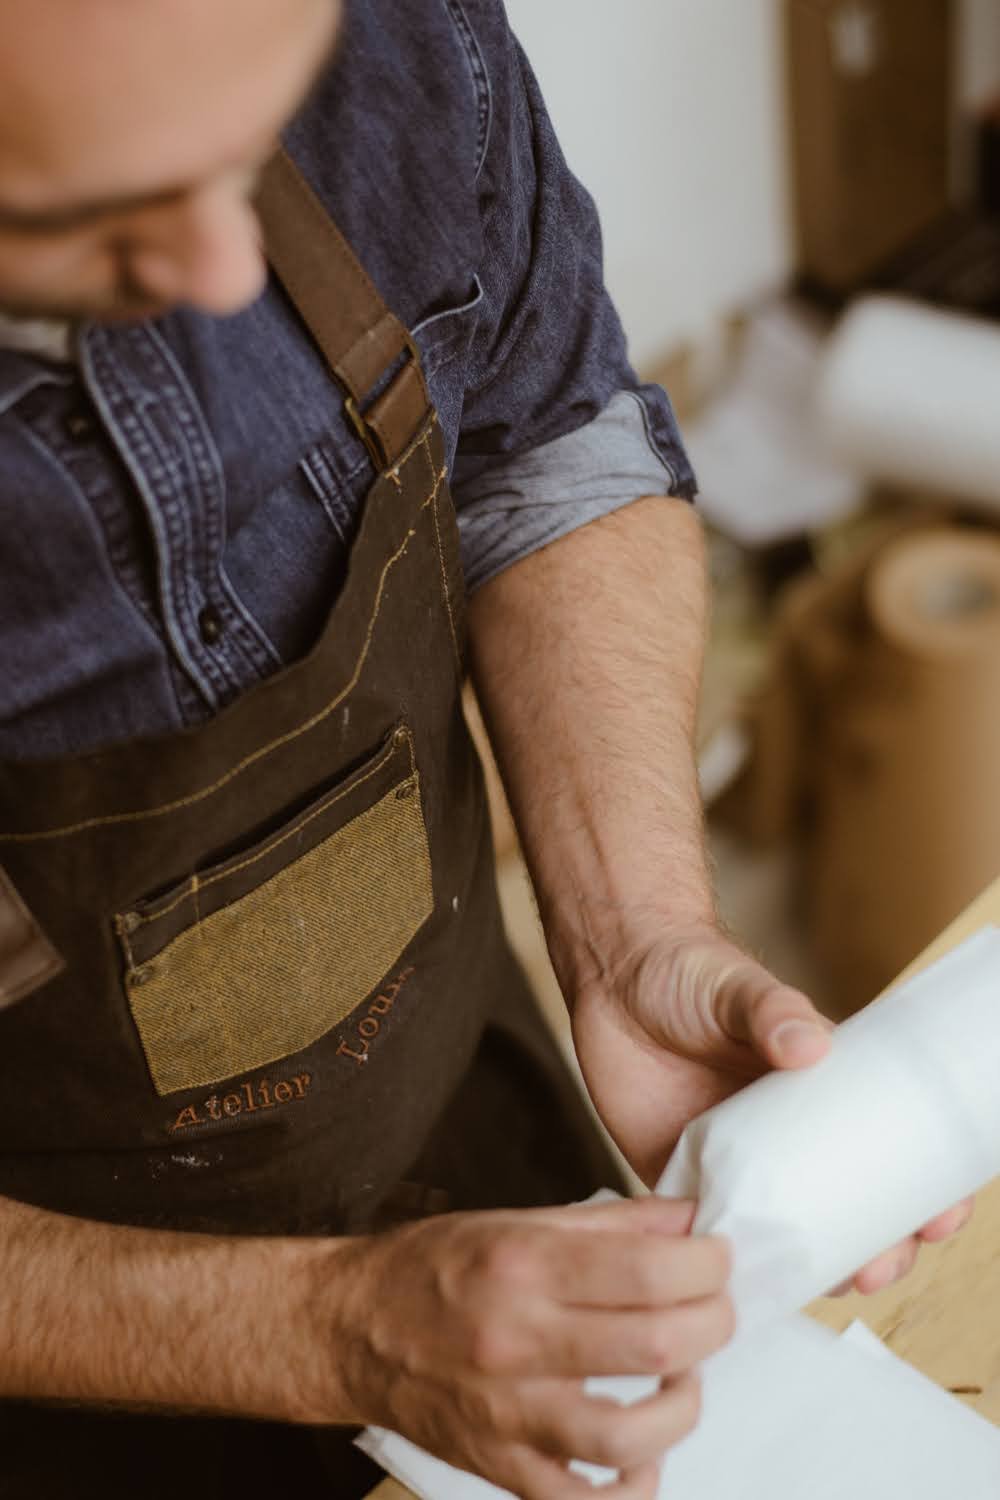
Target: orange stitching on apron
[(439, 479), (201, 885), (293, 734)]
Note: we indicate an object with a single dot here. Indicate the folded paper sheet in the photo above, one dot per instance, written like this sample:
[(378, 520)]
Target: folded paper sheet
[(810, 1174), (791, 1412)]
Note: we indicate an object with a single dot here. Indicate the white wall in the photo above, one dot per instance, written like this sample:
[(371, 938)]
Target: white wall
[(667, 110), (672, 113)]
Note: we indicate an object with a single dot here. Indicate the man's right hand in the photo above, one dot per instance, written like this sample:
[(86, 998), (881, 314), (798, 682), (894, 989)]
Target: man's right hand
[(472, 1334)]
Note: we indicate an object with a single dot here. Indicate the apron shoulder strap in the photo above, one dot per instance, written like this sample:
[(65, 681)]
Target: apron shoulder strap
[(361, 340)]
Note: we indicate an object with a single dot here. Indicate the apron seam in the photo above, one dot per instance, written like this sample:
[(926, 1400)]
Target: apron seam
[(199, 884), (439, 477), (114, 819)]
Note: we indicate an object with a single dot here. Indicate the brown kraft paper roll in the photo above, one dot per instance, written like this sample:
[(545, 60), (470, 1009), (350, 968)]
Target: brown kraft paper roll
[(907, 762)]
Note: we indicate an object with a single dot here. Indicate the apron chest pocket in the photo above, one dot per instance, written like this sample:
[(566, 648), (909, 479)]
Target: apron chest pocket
[(257, 957)]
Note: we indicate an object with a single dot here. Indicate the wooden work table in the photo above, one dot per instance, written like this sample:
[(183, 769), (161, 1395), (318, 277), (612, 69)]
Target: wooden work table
[(945, 1317)]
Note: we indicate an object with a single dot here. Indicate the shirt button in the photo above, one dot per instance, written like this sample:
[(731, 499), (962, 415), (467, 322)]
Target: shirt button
[(80, 426), (210, 625)]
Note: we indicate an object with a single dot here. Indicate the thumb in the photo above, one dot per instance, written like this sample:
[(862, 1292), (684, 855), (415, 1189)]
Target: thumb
[(780, 1023)]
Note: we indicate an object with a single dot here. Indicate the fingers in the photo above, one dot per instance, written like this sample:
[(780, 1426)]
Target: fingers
[(533, 1476), (471, 1318), (787, 1029), (625, 1254), (888, 1268), (947, 1224), (664, 1343), (639, 1484), (570, 1424), (634, 1270), (646, 1215), (781, 1024), (900, 1260)]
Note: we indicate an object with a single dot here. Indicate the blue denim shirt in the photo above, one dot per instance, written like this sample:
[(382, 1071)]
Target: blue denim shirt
[(177, 505)]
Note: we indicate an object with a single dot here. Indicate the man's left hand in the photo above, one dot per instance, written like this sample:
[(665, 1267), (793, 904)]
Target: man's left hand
[(682, 1022)]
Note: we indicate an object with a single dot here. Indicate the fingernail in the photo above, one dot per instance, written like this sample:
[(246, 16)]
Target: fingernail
[(797, 1041)]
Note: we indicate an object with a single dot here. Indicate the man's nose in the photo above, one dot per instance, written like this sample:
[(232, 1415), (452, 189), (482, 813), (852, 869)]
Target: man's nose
[(204, 251)]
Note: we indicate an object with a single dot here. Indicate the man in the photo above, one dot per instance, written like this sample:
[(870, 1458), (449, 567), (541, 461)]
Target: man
[(268, 1006)]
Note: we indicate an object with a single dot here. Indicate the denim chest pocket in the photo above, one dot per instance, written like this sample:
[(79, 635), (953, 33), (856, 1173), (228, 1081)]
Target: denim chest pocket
[(338, 479), (304, 523), (446, 335), (444, 339)]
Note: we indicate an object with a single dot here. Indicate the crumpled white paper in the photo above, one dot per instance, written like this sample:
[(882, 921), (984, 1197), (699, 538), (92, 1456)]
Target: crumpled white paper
[(810, 1174)]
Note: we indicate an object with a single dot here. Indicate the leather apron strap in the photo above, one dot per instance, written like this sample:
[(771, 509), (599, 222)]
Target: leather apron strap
[(369, 351)]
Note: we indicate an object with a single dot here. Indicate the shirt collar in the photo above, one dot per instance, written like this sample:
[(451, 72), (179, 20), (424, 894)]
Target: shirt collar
[(32, 353), (21, 373)]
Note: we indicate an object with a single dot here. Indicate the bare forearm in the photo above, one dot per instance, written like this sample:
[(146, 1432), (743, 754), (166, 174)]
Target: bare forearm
[(100, 1314), (587, 658), (471, 1334)]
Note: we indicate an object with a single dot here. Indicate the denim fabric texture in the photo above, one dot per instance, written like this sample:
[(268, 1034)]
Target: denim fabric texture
[(177, 505)]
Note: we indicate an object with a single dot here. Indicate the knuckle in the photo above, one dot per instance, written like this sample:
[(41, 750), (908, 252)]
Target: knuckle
[(660, 1346), (508, 1261), (492, 1348), (478, 1411)]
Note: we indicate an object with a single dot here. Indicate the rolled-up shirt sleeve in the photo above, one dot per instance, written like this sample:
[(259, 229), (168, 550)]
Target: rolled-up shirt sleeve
[(533, 498), (556, 429)]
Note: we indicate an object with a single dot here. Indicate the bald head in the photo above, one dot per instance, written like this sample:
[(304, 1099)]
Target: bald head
[(130, 131)]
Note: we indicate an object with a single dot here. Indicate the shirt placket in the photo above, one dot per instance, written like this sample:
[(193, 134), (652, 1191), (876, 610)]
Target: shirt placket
[(153, 418)]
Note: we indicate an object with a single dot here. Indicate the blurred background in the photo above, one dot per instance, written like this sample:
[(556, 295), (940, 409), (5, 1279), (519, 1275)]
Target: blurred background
[(801, 208)]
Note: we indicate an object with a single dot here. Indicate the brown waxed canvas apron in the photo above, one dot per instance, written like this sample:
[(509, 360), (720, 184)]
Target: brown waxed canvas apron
[(286, 1004)]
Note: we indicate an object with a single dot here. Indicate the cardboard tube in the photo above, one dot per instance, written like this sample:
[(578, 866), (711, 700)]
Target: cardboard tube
[(937, 599), (908, 783)]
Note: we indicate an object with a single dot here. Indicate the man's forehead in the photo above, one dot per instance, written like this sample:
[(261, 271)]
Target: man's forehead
[(106, 98)]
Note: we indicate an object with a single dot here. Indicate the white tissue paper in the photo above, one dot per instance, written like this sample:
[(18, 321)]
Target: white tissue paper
[(791, 1413), (810, 1174)]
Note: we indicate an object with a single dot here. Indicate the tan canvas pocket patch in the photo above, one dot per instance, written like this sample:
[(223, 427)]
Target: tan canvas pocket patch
[(260, 956)]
